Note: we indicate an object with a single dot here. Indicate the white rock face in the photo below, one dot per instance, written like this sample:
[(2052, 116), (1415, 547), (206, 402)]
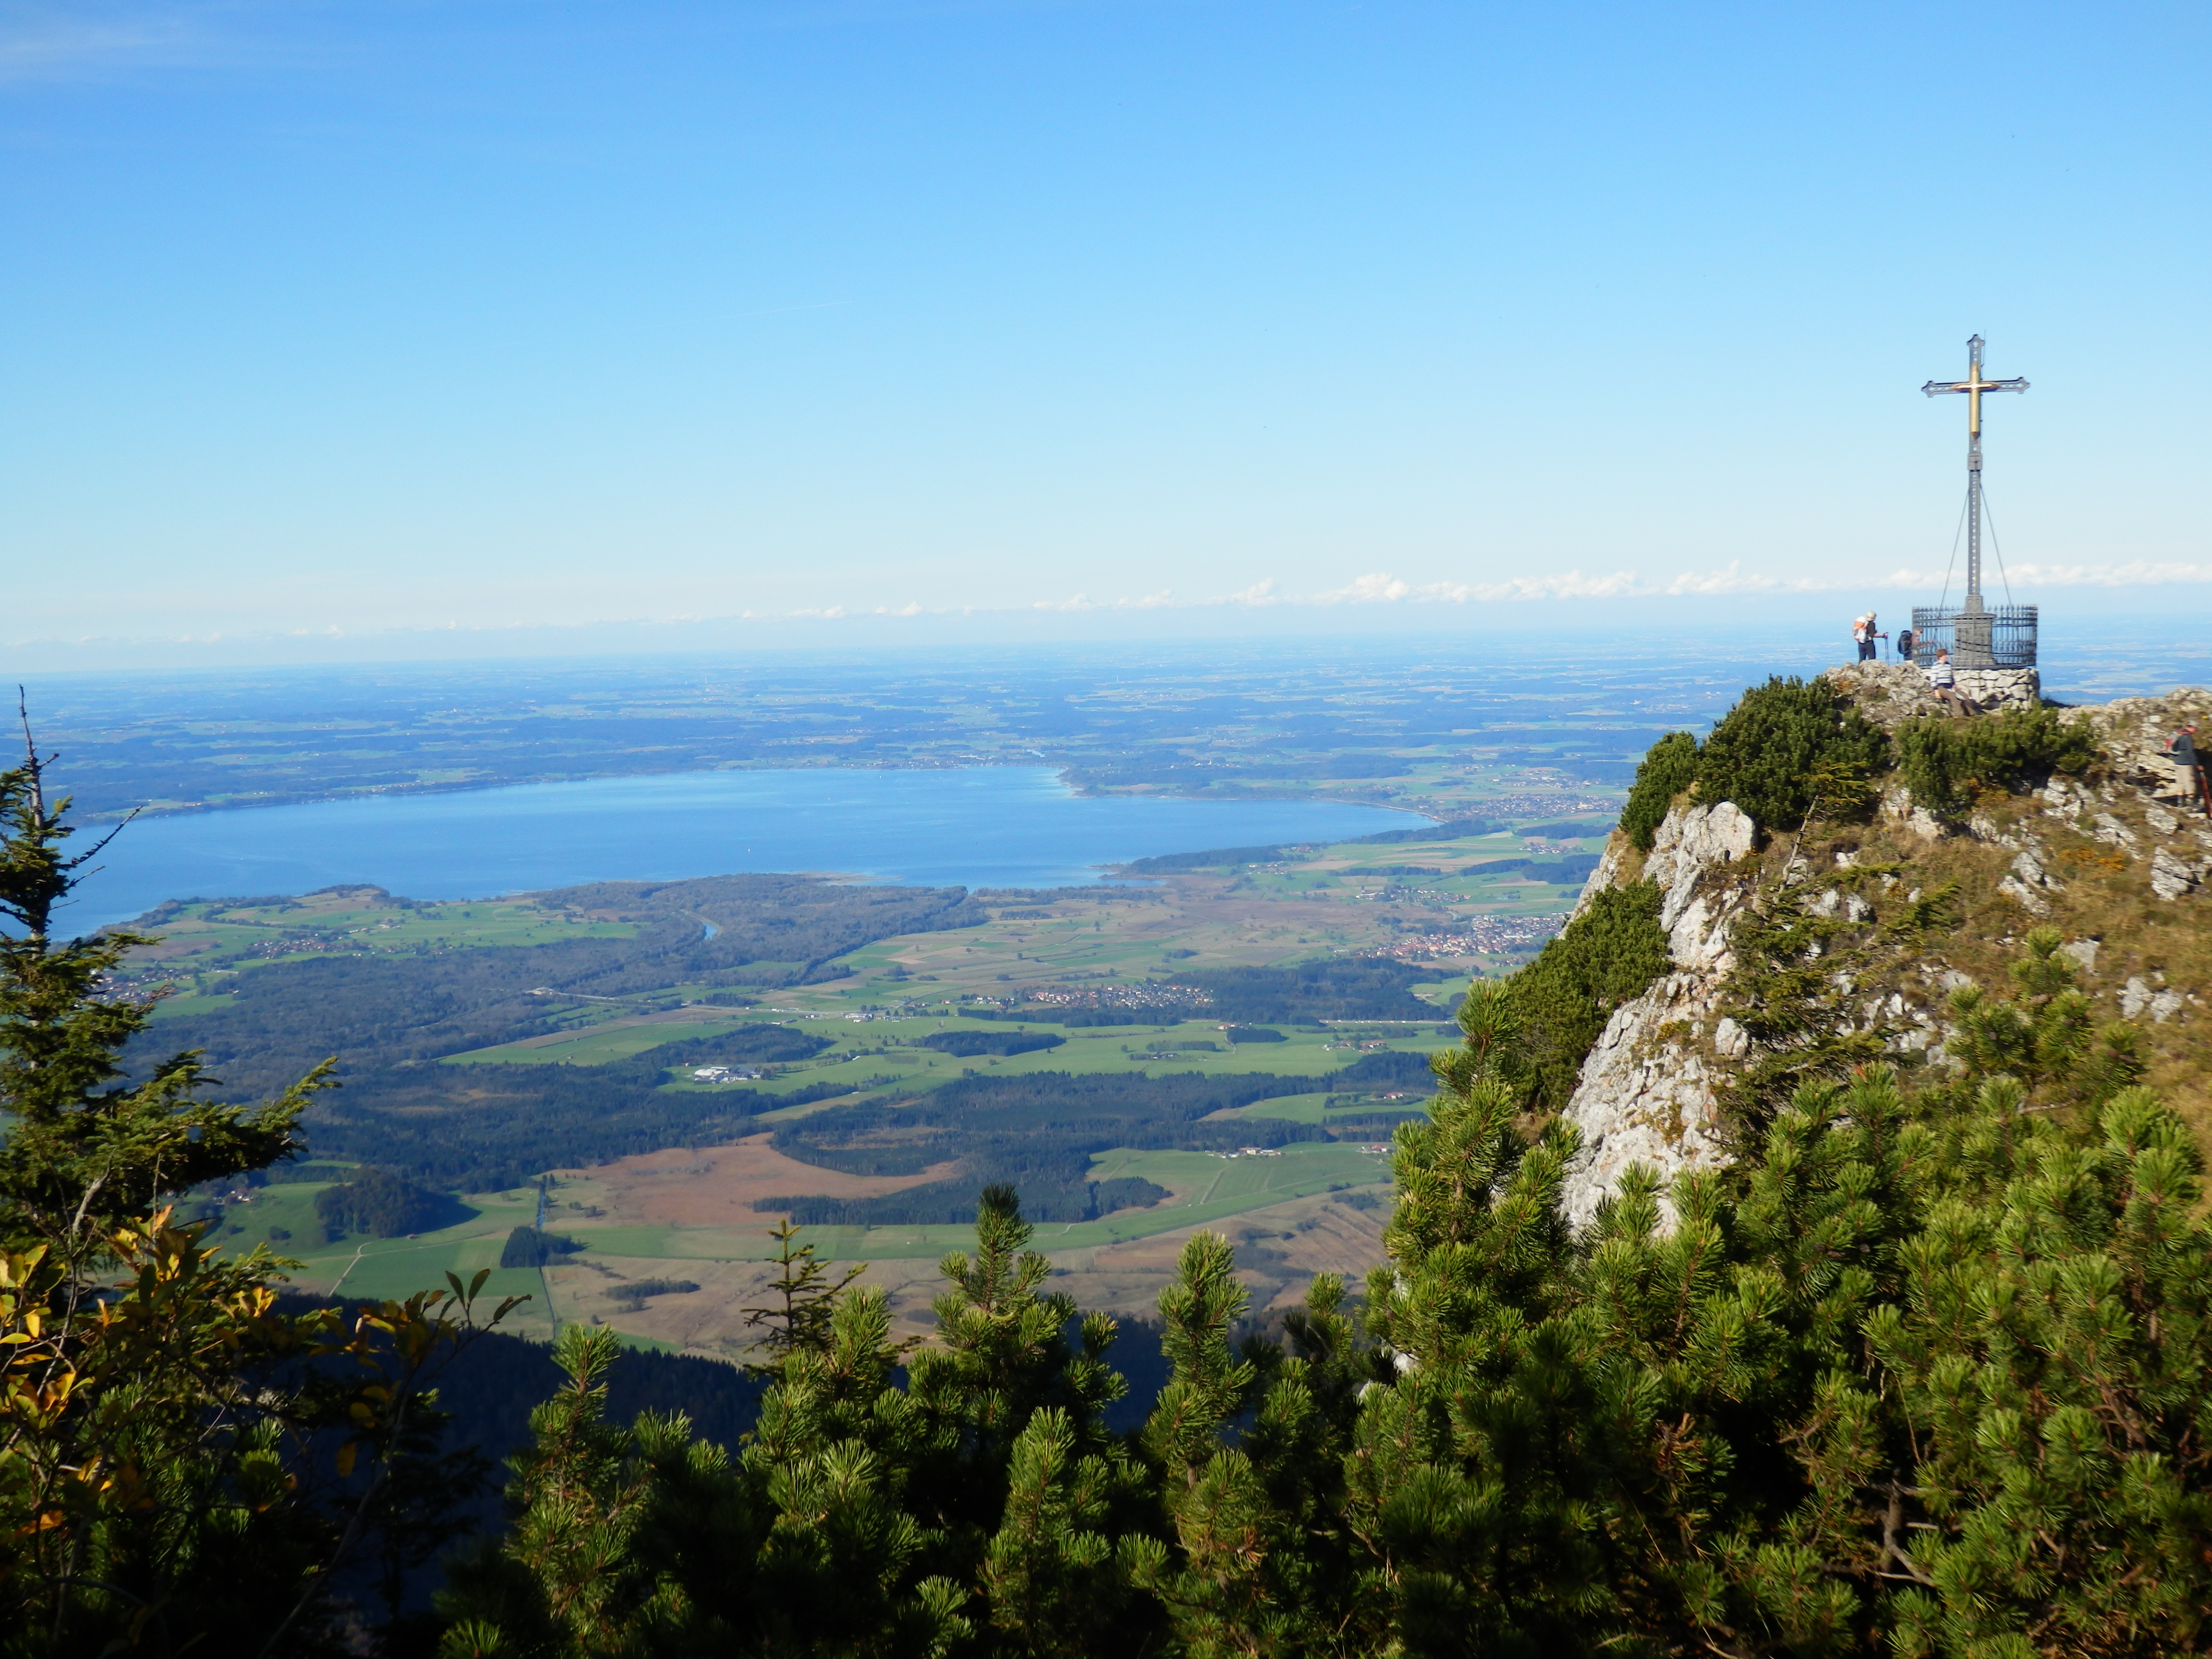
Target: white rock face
[(2137, 998), (2028, 877), (1897, 806), (1647, 1099), (1690, 843), (1642, 1100), (2169, 877)]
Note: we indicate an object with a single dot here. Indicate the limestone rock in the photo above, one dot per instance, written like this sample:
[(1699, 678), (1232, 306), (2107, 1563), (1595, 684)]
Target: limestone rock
[(2083, 952), (1898, 807), (2113, 833), (1645, 1096), (2027, 865), (1642, 1100), (1886, 692), (2065, 799), (1835, 900), (1983, 827), (2136, 997), (2170, 878)]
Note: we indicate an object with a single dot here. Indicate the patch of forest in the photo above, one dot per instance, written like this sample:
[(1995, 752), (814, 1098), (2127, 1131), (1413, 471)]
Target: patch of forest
[(384, 1204), (1574, 868), (967, 1045)]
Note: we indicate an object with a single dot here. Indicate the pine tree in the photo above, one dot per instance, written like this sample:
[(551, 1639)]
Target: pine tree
[(805, 1298), (572, 1581), (154, 1402), (1024, 1482)]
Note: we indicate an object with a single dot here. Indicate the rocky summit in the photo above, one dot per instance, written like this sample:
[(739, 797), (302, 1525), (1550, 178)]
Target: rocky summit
[(2114, 857)]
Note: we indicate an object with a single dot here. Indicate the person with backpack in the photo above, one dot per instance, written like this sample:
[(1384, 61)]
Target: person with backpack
[(1864, 636), (2188, 770), (1904, 644)]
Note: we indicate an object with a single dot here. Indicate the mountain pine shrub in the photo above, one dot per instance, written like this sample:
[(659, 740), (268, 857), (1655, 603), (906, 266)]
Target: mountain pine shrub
[(1668, 767), (1787, 748), (1924, 1373), (1946, 762)]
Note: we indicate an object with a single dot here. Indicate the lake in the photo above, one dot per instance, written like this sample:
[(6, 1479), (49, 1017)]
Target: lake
[(979, 827)]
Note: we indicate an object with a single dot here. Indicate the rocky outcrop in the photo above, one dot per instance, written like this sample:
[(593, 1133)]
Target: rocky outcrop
[(1886, 692), (2133, 732), (1891, 693), (2137, 998), (1899, 808), (1647, 1091), (1645, 1095)]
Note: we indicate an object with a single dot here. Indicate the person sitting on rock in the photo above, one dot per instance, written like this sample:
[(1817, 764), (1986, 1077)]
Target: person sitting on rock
[(1944, 680)]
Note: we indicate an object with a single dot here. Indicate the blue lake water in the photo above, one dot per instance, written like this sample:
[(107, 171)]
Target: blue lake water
[(984, 827)]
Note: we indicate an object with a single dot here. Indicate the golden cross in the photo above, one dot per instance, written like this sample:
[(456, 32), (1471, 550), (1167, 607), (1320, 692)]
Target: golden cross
[(1973, 386)]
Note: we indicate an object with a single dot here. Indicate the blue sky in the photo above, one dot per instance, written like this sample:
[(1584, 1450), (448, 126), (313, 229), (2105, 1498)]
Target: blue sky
[(342, 321)]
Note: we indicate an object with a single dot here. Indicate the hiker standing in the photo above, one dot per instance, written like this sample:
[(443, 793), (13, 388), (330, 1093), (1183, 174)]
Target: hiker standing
[(1863, 635), (1945, 683), (2188, 770), (1904, 644)]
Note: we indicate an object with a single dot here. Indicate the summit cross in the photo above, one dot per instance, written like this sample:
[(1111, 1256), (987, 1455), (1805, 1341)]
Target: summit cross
[(1973, 641)]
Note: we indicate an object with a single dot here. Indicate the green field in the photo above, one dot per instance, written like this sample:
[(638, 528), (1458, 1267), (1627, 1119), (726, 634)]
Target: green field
[(595, 1045), (382, 1268)]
